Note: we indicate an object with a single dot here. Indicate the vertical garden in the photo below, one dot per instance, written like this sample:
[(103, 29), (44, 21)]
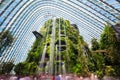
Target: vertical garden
[(103, 58), (108, 61)]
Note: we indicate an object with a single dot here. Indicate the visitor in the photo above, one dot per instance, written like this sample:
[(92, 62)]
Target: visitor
[(92, 76), (43, 77), (62, 77), (81, 78), (53, 78), (35, 77), (76, 77), (13, 77), (57, 77), (39, 77), (96, 78), (67, 77), (18, 77), (87, 77), (26, 78)]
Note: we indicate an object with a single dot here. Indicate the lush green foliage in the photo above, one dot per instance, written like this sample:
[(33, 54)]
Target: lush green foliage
[(5, 40), (25, 68), (77, 56), (95, 44), (30, 66), (6, 67), (73, 54), (108, 38), (107, 63)]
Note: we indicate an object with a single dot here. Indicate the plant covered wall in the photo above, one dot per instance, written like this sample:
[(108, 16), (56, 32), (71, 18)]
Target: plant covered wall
[(107, 62), (74, 51), (75, 54)]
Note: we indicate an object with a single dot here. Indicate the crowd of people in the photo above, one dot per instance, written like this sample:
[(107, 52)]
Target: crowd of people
[(50, 77)]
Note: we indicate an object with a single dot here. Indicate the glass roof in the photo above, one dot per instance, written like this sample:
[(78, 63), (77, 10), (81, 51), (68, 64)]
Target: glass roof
[(24, 16)]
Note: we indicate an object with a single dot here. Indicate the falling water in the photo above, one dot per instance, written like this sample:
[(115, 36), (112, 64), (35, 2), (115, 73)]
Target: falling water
[(63, 68), (56, 70), (43, 58), (47, 67), (59, 47), (55, 55), (52, 46)]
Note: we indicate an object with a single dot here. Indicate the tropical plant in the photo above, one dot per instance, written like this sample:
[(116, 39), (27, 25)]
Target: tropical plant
[(7, 67), (95, 44), (109, 42), (19, 68)]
